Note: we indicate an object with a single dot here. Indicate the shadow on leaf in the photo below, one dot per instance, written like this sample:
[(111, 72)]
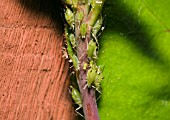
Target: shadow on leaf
[(122, 20)]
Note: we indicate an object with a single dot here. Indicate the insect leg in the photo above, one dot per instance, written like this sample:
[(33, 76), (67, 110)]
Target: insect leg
[(96, 89), (79, 113)]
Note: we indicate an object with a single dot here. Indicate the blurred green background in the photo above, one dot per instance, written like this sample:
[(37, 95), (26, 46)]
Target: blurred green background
[(135, 50)]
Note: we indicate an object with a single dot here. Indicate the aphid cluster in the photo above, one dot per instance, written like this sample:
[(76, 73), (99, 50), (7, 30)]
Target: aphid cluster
[(81, 19)]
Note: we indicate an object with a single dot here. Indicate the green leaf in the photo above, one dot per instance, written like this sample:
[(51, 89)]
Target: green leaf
[(135, 50)]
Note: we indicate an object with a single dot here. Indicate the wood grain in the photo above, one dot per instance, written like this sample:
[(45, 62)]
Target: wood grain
[(33, 75)]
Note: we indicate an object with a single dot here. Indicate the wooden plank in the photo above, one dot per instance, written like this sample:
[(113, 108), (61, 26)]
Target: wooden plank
[(33, 74)]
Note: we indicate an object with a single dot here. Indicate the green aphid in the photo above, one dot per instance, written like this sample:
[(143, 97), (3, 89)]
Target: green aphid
[(91, 75), (91, 50), (69, 17), (97, 82), (83, 30), (69, 46), (72, 40), (74, 3), (80, 16), (95, 11), (70, 51), (69, 2), (98, 79), (75, 62), (91, 63), (92, 2), (97, 26), (76, 97), (85, 65)]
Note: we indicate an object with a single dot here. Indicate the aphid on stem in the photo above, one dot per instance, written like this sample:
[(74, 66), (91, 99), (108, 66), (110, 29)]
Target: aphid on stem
[(77, 99), (98, 79), (84, 22), (83, 30), (72, 40), (94, 77), (73, 57), (72, 3), (91, 75), (91, 50), (96, 28), (79, 16), (69, 16), (85, 66)]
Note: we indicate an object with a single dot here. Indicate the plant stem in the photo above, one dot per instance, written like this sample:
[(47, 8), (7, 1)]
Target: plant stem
[(88, 95), (84, 20)]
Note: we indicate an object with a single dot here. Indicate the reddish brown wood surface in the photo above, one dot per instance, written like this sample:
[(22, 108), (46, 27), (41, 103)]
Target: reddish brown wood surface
[(33, 74)]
